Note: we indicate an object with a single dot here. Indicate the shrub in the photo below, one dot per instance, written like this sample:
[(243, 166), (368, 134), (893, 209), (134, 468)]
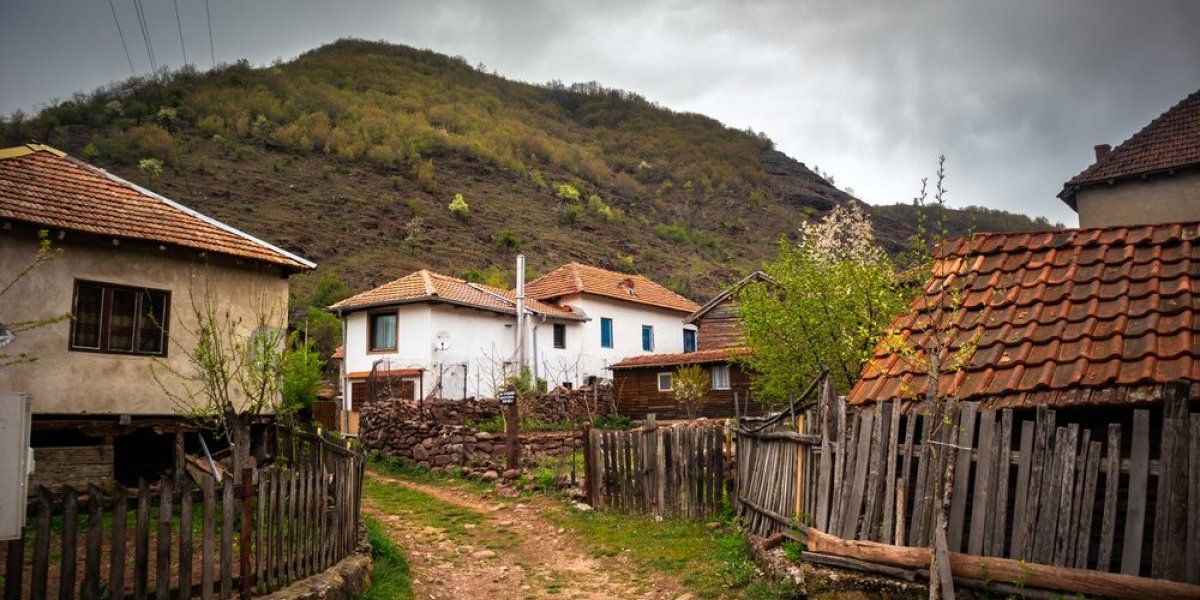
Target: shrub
[(690, 388), (568, 214), (459, 208), (152, 167), (625, 262), (302, 367), (612, 421), (536, 177), (599, 207), (675, 233), (506, 239), (566, 192)]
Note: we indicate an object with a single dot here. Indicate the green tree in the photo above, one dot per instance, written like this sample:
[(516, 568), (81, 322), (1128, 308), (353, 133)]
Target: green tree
[(830, 300), (459, 207), (301, 379)]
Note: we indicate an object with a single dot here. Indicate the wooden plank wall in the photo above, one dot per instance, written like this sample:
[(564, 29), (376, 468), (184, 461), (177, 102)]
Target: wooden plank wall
[(662, 471), (1108, 497), (280, 524)]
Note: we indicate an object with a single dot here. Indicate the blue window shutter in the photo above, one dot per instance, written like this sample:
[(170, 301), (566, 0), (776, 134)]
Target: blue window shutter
[(689, 340), (648, 338), (606, 338)]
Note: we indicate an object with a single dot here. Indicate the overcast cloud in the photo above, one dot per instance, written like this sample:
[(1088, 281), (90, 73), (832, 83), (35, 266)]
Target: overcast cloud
[(1015, 93)]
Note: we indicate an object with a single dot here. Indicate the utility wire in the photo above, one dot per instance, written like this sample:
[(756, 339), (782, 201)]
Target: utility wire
[(212, 54), (179, 24), (137, 6), (122, 34)]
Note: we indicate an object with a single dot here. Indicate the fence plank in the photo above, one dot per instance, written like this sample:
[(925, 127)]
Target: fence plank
[(14, 567), (162, 556), (1170, 541), (1112, 479), (1043, 543), (41, 547), (1193, 520), (983, 482), (1087, 504), (887, 530), (1135, 512), (207, 545), (839, 465), (1038, 475), (876, 480), (1066, 468), (920, 517), (998, 528), (903, 504), (1072, 541), (1021, 514), (853, 507), (824, 459), (228, 509), (962, 473), (141, 543), (185, 538), (116, 567), (91, 556), (66, 573)]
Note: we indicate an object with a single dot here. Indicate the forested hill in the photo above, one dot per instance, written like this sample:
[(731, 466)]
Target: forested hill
[(352, 154)]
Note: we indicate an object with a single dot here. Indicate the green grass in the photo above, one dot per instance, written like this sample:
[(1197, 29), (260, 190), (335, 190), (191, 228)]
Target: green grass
[(421, 508), (390, 575)]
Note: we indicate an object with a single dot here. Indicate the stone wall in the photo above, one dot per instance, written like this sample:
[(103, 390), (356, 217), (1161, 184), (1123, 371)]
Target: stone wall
[(443, 439)]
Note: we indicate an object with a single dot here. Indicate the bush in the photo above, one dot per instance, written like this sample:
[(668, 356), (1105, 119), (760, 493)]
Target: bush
[(675, 233), (302, 367), (599, 207), (459, 208), (506, 240), (568, 214), (566, 192), (612, 421)]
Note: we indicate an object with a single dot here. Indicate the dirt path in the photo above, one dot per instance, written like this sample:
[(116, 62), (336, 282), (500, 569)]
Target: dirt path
[(511, 551)]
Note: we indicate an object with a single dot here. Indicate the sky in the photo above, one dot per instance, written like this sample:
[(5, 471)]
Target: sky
[(1014, 93)]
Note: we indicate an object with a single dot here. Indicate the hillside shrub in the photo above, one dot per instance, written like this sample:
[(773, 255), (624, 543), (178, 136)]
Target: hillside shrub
[(568, 213), (566, 192), (505, 239), (459, 208)]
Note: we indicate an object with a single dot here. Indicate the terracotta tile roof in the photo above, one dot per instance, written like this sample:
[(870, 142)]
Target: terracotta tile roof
[(45, 187), (427, 286), (1072, 317), (681, 358), (575, 278), (1171, 141)]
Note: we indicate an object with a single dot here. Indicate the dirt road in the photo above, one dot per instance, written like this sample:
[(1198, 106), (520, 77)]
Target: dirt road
[(491, 550)]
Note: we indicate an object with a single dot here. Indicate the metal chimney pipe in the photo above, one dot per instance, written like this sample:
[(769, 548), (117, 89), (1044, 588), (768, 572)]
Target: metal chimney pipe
[(521, 337)]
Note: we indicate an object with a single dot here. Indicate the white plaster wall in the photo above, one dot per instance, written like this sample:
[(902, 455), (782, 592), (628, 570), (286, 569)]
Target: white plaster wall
[(481, 340), (628, 319), (415, 326), (63, 381), (1160, 199)]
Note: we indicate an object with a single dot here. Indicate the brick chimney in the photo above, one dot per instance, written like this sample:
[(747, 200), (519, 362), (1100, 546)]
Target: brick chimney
[(1102, 151)]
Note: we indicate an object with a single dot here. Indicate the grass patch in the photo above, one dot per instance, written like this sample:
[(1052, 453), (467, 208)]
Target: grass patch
[(712, 564), (421, 507), (390, 575)]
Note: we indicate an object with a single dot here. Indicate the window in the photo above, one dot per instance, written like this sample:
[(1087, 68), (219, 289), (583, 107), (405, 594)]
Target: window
[(648, 338), (383, 332), (119, 319), (689, 340), (606, 340), (666, 382), (560, 335), (720, 377)]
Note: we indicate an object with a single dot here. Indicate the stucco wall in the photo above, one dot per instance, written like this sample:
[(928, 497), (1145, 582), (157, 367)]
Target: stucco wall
[(1160, 199), (628, 319), (62, 381)]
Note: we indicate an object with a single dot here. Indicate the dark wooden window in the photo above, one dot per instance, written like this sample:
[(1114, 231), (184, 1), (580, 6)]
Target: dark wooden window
[(689, 340), (648, 338), (382, 336), (560, 335), (120, 319)]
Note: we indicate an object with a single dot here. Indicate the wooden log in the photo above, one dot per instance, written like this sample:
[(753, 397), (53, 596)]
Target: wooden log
[(1112, 478), (66, 572), (207, 545), (141, 543), (998, 521), (185, 538), (962, 475), (228, 509), (1005, 570), (162, 555), (854, 564), (94, 537), (1021, 514), (1135, 512), (116, 566)]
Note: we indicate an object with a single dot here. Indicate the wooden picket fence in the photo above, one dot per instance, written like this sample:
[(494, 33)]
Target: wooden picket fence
[(274, 526), (663, 471), (1112, 497)]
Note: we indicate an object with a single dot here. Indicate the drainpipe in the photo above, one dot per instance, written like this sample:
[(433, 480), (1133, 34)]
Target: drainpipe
[(521, 338)]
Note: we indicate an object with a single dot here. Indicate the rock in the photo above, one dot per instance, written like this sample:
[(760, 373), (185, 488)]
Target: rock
[(582, 507), (687, 596), (483, 435), (713, 526), (489, 476), (483, 554), (511, 474)]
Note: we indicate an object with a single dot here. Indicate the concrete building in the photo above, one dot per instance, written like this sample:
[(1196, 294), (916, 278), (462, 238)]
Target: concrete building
[(1152, 178), (129, 267)]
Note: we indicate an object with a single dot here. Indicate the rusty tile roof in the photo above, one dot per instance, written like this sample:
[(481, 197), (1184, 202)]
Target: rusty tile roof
[(1072, 317), (45, 187), (1171, 141), (681, 358), (575, 278), (427, 286)]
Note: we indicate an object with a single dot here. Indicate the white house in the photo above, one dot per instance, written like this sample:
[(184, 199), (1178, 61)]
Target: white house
[(428, 334)]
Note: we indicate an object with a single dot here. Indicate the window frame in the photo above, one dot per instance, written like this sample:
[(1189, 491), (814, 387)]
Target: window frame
[(670, 381), (647, 338), (559, 336), (713, 374), (104, 334), (371, 349), (606, 331)]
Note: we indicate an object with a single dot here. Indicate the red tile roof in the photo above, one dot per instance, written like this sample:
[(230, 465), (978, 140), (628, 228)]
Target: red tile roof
[(391, 373), (45, 187), (427, 286), (1073, 317), (575, 278), (1171, 141), (681, 358)]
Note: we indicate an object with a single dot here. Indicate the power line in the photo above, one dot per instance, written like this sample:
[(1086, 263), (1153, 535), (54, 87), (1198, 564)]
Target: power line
[(122, 34), (212, 54), (141, 15), (179, 23)]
